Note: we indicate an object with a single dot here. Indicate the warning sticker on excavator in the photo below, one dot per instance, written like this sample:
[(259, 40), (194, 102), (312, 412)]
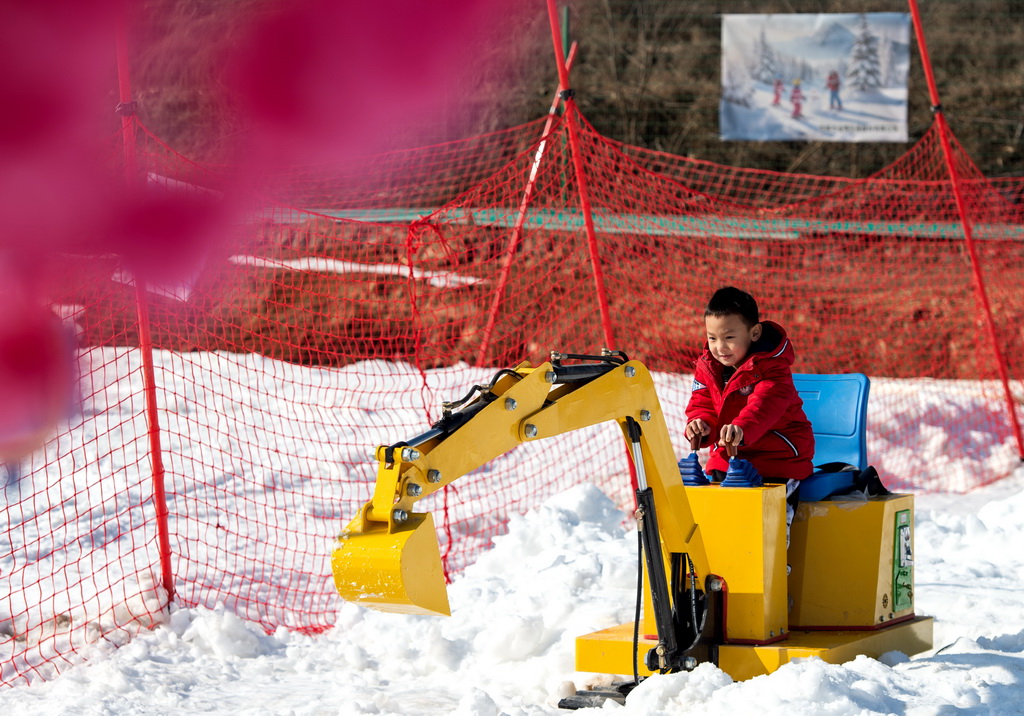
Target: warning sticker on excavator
[(903, 563)]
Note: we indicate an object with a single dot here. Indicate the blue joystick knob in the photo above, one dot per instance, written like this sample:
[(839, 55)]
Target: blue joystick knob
[(741, 474), (691, 472)]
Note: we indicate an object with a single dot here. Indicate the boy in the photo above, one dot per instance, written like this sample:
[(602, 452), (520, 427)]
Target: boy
[(743, 396)]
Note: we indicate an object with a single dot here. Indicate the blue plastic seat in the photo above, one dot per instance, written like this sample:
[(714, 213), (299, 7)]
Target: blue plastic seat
[(837, 406)]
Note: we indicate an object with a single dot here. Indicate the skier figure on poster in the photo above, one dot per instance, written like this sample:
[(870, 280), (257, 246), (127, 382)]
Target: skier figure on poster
[(796, 97), (778, 88), (832, 85)]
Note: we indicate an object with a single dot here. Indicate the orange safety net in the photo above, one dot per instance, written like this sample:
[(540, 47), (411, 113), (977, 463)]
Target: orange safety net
[(341, 305)]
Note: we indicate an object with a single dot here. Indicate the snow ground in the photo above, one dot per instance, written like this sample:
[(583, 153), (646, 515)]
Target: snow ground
[(565, 569)]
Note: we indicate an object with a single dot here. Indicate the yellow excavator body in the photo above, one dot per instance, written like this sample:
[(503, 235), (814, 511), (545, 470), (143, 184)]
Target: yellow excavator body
[(720, 584)]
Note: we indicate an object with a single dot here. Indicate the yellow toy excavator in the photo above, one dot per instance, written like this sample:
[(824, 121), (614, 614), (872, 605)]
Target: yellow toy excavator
[(716, 586)]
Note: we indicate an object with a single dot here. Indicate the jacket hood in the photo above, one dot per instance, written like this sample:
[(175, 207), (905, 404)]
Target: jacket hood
[(773, 343)]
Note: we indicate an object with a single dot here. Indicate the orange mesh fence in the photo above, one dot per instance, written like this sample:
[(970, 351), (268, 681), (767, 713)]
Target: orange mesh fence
[(345, 303), (77, 525)]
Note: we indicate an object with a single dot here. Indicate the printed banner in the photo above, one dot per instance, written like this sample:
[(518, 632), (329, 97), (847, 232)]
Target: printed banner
[(815, 77)]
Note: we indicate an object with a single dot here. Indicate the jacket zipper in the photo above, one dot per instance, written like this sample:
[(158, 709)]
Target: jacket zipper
[(796, 453)]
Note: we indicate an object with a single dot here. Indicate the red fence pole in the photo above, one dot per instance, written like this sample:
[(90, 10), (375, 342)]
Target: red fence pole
[(127, 111), (588, 219), (979, 282), (581, 179), (517, 229)]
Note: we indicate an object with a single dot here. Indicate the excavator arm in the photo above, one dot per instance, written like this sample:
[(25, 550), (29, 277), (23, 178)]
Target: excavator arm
[(842, 588), (388, 556)]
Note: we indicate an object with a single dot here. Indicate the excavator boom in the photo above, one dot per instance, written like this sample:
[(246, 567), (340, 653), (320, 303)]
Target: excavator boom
[(388, 557)]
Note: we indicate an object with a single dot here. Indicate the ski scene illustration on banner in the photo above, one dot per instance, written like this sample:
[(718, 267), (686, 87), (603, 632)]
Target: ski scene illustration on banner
[(815, 77)]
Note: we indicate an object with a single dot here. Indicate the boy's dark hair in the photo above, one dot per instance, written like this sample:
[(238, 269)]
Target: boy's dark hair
[(730, 301)]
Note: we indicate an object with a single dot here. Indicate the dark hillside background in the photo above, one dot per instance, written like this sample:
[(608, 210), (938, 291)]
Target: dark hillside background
[(647, 74)]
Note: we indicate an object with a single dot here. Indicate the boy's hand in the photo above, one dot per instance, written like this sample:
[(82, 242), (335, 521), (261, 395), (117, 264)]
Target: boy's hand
[(696, 429), (731, 435)]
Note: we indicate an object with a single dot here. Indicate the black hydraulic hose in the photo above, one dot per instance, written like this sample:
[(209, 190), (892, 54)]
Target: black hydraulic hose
[(449, 406), (660, 600), (452, 421), (617, 357), (639, 602), (693, 597)]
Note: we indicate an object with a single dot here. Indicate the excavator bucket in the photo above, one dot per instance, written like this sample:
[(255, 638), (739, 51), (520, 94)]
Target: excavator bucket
[(393, 571)]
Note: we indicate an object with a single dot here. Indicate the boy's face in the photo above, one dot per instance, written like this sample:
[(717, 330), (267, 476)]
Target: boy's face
[(729, 338)]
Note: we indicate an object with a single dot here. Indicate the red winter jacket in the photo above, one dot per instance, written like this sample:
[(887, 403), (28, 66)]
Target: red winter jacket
[(760, 398)]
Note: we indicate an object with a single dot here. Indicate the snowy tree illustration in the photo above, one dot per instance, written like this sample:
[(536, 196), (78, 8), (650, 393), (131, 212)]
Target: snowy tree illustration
[(892, 74), (765, 67), (737, 89), (864, 70)]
